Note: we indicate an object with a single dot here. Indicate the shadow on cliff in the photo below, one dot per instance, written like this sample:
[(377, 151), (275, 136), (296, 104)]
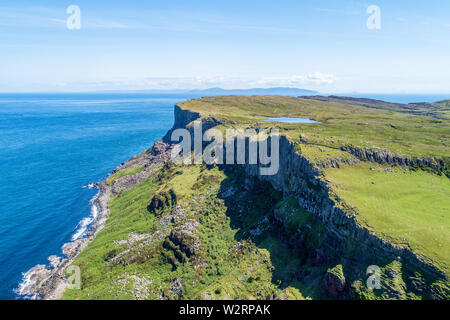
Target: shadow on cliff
[(250, 206), (307, 258)]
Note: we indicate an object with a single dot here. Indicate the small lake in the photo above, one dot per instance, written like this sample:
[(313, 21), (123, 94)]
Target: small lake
[(291, 120)]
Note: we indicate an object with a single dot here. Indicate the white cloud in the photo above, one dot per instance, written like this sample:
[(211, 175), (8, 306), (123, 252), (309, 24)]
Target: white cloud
[(314, 80)]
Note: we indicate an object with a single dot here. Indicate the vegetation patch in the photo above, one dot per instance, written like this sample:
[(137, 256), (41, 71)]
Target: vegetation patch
[(410, 208), (123, 173), (208, 232)]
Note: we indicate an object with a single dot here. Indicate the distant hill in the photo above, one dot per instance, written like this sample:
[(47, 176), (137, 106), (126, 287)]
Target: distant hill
[(436, 109), (282, 91)]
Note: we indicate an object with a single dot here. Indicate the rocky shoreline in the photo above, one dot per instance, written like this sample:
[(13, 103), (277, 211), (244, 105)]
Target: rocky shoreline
[(48, 282)]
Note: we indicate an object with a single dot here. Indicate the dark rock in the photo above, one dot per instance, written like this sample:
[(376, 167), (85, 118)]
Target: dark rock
[(184, 237), (161, 201), (335, 282), (318, 258)]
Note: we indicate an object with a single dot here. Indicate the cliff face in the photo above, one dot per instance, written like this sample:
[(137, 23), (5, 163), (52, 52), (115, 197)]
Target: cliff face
[(299, 178), (344, 240), (286, 234), (184, 120), (385, 157)]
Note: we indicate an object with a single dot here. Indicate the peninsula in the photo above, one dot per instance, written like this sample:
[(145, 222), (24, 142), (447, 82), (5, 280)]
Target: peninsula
[(359, 209)]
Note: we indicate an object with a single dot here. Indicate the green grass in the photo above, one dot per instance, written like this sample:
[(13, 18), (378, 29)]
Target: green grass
[(251, 279), (288, 212), (341, 123), (123, 173), (408, 207), (321, 154), (257, 242), (227, 265)]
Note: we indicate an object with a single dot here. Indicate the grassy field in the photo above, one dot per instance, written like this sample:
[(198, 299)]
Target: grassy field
[(408, 207), (341, 124), (320, 154)]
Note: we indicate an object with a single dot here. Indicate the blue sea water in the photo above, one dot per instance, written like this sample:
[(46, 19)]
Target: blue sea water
[(51, 146)]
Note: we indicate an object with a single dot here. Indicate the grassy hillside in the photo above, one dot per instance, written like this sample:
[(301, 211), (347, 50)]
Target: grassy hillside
[(407, 207), (403, 205), (210, 257), (198, 232), (341, 123)]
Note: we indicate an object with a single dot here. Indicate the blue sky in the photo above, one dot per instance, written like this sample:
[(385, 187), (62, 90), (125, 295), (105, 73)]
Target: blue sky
[(322, 44)]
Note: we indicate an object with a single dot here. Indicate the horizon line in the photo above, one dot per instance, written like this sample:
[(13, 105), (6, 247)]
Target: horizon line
[(185, 90)]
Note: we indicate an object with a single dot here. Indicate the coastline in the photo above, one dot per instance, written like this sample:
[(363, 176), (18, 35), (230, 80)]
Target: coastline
[(48, 282), (45, 196)]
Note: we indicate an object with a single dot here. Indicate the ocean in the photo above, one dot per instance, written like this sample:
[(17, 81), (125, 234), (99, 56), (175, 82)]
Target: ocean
[(52, 146)]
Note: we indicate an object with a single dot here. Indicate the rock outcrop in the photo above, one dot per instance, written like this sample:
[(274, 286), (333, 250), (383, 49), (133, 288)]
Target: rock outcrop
[(335, 282), (382, 156)]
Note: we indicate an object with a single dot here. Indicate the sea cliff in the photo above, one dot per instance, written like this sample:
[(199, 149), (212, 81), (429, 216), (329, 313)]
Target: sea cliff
[(335, 249)]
